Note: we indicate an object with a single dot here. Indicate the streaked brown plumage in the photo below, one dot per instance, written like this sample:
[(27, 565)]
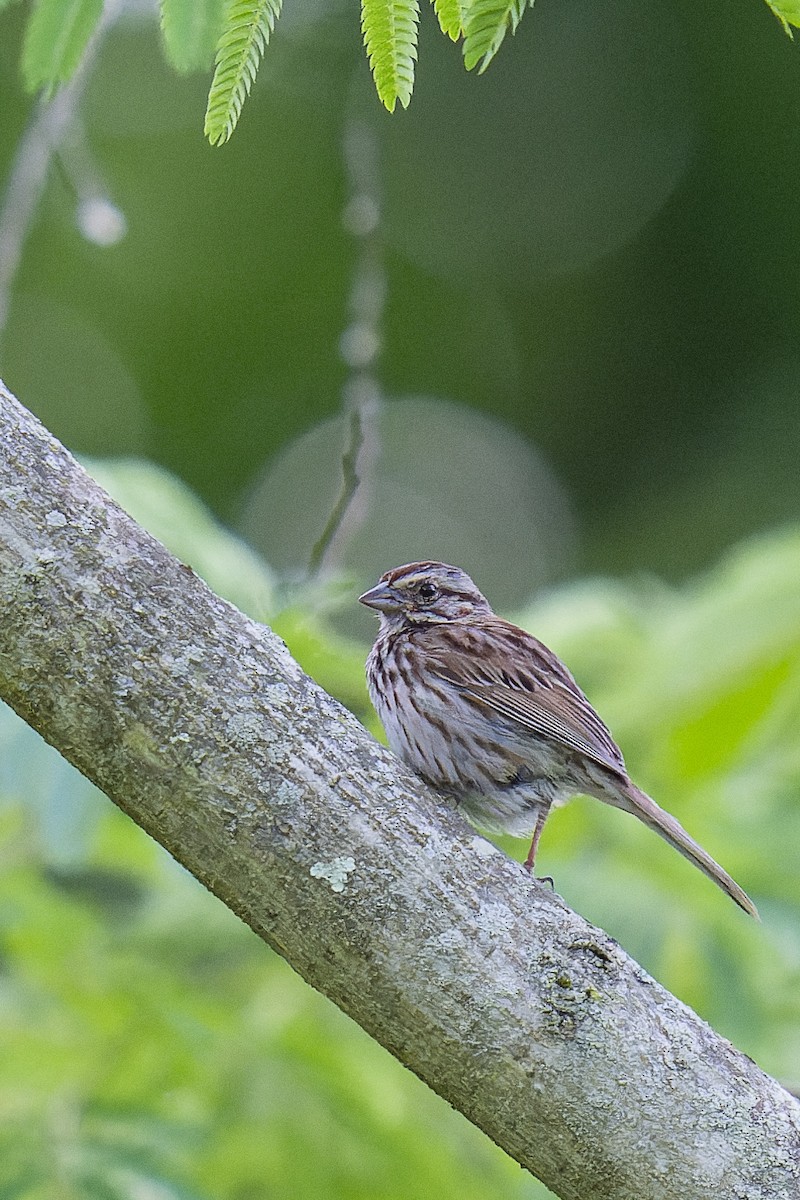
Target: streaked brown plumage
[(485, 712)]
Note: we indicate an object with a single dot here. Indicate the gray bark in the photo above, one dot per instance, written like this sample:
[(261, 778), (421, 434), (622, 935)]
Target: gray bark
[(198, 723)]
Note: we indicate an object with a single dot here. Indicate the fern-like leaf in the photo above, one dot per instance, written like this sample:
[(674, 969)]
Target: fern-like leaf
[(55, 40), (452, 16), (248, 25), (191, 30), (390, 36), (487, 24), (787, 12)]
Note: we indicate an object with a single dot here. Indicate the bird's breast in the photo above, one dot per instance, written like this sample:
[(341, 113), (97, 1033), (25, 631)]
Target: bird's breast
[(443, 735)]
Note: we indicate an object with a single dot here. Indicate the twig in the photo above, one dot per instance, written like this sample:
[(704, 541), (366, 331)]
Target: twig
[(359, 346)]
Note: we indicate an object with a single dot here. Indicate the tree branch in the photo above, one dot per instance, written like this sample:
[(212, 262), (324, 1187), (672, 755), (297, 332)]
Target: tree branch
[(198, 723)]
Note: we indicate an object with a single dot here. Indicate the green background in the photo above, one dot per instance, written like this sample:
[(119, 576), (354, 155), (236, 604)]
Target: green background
[(589, 367)]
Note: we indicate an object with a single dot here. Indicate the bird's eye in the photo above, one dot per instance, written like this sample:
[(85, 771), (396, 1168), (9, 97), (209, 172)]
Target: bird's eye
[(426, 591)]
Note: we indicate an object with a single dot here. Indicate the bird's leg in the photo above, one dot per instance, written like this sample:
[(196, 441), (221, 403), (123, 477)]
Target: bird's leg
[(537, 833)]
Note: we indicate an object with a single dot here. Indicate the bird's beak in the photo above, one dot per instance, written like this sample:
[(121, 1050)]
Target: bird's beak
[(382, 597)]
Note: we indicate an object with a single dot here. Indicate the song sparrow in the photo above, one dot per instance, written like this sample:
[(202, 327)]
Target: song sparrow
[(485, 712)]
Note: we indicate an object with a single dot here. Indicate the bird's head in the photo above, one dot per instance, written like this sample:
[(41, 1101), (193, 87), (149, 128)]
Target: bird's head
[(424, 593)]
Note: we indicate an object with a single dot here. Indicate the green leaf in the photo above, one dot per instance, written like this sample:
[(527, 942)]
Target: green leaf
[(452, 16), (486, 27), (191, 30), (55, 39), (390, 36), (248, 26), (787, 12)]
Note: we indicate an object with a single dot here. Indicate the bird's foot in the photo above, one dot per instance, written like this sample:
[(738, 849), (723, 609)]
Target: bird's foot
[(539, 878)]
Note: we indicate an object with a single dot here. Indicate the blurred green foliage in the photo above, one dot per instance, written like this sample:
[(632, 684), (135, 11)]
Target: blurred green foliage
[(592, 243), (191, 31), (152, 1046), (55, 39)]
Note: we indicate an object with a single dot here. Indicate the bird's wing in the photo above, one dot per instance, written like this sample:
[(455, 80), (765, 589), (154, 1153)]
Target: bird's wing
[(510, 672)]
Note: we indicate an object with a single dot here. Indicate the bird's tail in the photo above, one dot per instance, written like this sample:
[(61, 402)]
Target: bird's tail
[(633, 800)]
